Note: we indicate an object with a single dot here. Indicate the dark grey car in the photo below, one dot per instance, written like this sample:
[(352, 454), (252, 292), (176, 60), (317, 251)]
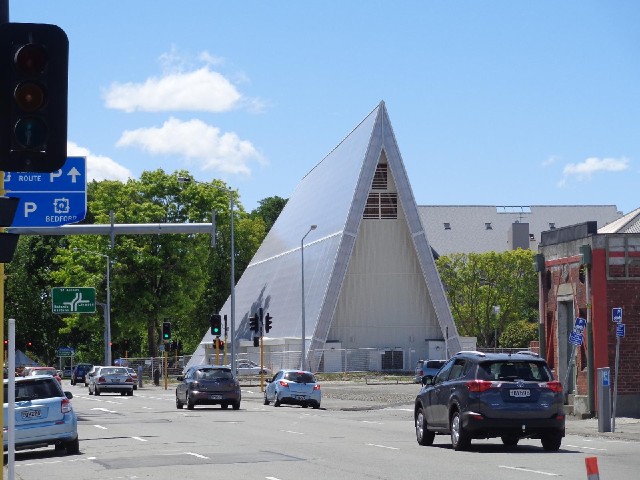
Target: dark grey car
[(484, 395), (208, 385)]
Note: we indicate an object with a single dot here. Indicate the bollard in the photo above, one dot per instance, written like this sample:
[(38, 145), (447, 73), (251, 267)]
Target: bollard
[(140, 373), (592, 468), (156, 377)]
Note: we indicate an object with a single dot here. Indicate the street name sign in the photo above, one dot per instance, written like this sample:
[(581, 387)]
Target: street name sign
[(66, 352), (49, 199), (73, 300), (620, 330)]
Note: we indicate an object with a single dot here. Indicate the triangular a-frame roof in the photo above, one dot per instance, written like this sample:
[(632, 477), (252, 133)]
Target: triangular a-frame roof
[(630, 223), (332, 196)]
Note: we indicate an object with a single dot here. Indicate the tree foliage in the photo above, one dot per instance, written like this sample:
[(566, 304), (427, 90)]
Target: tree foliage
[(477, 282), (269, 210), (153, 278)]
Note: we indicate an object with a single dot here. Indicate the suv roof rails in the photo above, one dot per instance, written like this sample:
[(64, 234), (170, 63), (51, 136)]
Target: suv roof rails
[(472, 352)]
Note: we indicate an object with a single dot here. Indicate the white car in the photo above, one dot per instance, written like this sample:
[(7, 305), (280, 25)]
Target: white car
[(247, 367)]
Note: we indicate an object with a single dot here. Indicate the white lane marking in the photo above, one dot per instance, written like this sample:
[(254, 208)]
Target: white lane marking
[(587, 448), (147, 408), (531, 471), (104, 410), (373, 423), (140, 439), (381, 446), (400, 409), (291, 431), (271, 478), (100, 427), (197, 455)]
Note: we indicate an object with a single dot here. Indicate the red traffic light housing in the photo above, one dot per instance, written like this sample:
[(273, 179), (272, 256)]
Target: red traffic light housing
[(33, 101)]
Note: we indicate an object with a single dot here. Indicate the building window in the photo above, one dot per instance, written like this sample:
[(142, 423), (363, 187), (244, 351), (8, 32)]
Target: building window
[(552, 226), (447, 226), (380, 177), (532, 237), (488, 226), (381, 206)]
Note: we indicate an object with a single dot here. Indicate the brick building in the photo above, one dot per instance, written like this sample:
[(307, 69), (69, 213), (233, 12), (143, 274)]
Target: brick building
[(582, 262)]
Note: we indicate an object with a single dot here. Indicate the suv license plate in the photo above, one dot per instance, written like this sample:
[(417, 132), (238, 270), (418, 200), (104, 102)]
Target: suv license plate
[(520, 393), (29, 414), (216, 397)]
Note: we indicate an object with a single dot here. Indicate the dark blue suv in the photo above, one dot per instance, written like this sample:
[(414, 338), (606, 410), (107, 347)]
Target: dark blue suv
[(487, 395)]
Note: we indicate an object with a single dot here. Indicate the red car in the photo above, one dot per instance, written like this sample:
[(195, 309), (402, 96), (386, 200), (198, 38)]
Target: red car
[(50, 371)]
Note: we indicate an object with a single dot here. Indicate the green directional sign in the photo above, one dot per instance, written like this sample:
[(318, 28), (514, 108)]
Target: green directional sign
[(73, 300)]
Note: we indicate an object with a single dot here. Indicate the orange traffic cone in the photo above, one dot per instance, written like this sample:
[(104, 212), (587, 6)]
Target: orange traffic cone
[(592, 468)]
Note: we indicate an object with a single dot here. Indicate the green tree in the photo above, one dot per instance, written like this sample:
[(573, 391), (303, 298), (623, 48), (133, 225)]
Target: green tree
[(477, 282), (519, 334), (269, 210)]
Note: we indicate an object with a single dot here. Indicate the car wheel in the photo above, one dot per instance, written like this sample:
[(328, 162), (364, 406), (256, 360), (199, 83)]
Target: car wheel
[(460, 440), (224, 406), (236, 406), (90, 392), (73, 447), (510, 440), (551, 442), (72, 382), (135, 387), (266, 400), (423, 435), (96, 391), (123, 393), (276, 402), (190, 403), (179, 404), (305, 405), (130, 393), (316, 405)]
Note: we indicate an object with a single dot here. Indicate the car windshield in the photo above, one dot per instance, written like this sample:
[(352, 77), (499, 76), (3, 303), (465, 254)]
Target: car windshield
[(512, 370), (51, 373), (300, 377), (214, 374), (33, 390)]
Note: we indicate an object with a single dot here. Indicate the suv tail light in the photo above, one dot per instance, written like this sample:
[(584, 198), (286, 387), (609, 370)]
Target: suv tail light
[(479, 385), (554, 386), (65, 406), (316, 386)]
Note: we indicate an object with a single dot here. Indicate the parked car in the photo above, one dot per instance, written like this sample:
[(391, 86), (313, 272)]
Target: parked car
[(208, 385), (488, 395), (80, 372), (44, 415), (427, 367), (134, 375), (50, 371), (293, 387), (66, 372), (247, 367), (111, 379)]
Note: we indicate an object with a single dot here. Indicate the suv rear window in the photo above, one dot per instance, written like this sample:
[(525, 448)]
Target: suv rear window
[(34, 390), (434, 363), (299, 377), (511, 370)]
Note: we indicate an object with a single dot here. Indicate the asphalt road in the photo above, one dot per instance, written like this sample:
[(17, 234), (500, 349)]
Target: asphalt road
[(353, 436)]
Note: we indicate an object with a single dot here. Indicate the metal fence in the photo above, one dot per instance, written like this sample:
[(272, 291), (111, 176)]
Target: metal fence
[(322, 361)]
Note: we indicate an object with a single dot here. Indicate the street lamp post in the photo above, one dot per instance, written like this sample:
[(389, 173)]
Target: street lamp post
[(303, 357), (107, 316), (233, 265)]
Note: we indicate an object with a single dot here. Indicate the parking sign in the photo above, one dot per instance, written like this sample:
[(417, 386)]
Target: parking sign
[(616, 314)]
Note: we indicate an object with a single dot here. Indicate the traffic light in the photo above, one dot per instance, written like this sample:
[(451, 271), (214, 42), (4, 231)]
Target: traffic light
[(267, 323), (166, 331), (33, 101), (216, 324), (253, 323)]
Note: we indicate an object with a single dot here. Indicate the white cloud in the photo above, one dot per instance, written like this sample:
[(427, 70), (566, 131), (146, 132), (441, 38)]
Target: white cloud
[(196, 141), (550, 161), (199, 90), (592, 165), (99, 167)]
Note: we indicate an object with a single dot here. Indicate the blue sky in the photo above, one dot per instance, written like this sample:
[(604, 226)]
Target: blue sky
[(492, 102)]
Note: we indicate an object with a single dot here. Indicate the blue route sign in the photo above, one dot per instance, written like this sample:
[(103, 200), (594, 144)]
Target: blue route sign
[(49, 199), (575, 338)]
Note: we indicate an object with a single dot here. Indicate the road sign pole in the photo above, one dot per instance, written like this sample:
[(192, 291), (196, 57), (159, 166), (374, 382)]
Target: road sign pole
[(566, 377), (615, 385)]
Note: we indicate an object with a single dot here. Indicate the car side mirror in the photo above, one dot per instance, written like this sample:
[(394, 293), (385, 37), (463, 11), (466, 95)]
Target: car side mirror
[(180, 378), (69, 395), (427, 380), (268, 380)]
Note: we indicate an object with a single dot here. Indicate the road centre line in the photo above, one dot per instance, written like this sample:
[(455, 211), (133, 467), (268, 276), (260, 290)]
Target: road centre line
[(140, 439), (291, 431), (373, 423), (197, 455), (381, 446), (520, 469)]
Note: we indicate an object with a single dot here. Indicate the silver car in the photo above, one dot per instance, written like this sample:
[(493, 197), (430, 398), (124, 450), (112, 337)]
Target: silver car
[(293, 387), (43, 415), (111, 379)]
